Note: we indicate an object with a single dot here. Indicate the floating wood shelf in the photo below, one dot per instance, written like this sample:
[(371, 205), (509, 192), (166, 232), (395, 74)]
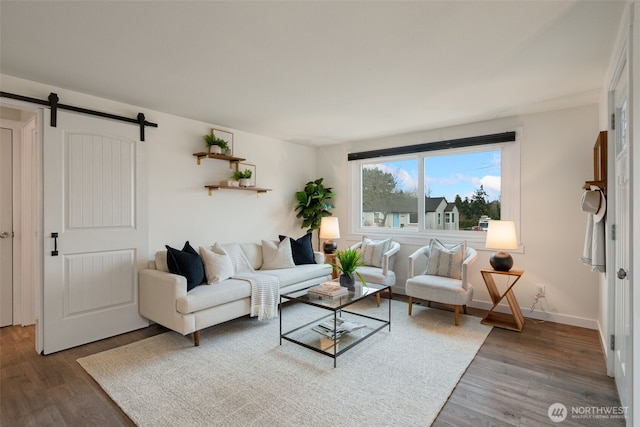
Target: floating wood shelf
[(258, 190), (204, 155)]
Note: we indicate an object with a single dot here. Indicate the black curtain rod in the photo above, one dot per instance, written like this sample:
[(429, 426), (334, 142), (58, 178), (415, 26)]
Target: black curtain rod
[(432, 146), (53, 103)]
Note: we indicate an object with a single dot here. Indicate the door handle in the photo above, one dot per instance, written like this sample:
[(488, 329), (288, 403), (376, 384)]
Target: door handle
[(622, 274), (4, 235), (54, 236)]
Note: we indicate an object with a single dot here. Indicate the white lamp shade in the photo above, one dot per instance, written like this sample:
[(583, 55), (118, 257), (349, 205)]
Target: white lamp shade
[(329, 228), (501, 235)]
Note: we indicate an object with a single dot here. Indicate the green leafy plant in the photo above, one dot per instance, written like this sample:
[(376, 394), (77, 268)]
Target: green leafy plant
[(348, 262), (242, 174), (313, 204), (211, 139)]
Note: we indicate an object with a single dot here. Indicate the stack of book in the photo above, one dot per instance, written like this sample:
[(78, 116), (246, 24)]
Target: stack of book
[(328, 290), (342, 327)]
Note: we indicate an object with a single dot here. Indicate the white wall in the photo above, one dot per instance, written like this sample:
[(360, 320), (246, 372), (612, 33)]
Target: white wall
[(179, 207), (556, 160)]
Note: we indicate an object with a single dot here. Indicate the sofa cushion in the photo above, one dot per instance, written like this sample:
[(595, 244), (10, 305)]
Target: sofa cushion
[(217, 266), (204, 297), (277, 255), (290, 276), (253, 253), (187, 263), (442, 289), (301, 249), (238, 258), (374, 275)]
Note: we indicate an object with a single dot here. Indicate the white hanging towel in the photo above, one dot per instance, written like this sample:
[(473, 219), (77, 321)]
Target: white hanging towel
[(593, 253)]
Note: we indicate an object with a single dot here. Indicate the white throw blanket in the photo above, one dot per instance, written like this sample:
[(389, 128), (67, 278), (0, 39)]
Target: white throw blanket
[(265, 289), (593, 253)]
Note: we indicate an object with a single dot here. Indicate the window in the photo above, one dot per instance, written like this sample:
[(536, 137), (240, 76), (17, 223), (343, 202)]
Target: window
[(464, 185), (460, 190)]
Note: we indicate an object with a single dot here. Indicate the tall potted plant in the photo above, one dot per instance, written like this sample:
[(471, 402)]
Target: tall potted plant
[(313, 204), (348, 262)]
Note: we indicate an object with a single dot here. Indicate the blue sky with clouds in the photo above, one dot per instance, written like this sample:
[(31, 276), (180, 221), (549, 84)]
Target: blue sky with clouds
[(453, 174)]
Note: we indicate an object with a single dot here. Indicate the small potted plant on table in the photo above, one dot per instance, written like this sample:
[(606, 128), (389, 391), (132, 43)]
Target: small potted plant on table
[(348, 262)]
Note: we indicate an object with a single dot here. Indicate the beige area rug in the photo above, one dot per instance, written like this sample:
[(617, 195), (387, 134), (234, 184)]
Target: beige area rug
[(241, 376)]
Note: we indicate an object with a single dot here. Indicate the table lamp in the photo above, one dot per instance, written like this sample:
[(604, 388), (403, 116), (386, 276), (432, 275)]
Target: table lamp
[(329, 229), (501, 235)]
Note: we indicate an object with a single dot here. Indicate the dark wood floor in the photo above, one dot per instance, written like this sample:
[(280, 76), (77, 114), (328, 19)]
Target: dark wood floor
[(511, 382)]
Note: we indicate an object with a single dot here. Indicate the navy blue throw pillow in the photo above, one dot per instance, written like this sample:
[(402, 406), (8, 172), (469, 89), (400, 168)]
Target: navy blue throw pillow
[(187, 263), (301, 249)]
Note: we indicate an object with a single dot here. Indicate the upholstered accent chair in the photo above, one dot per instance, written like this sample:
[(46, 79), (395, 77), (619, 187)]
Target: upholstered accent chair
[(446, 278), (379, 257)]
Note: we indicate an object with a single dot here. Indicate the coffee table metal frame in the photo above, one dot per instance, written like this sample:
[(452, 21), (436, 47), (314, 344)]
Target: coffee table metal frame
[(336, 307)]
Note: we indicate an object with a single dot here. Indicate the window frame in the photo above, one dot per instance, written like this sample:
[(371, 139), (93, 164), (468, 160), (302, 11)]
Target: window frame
[(510, 196)]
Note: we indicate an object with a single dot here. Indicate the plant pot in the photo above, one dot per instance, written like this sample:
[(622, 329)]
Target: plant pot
[(347, 282), (227, 152), (244, 182), (215, 149)]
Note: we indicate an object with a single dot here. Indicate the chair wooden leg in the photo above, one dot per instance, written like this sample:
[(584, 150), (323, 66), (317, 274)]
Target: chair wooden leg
[(457, 315), (378, 299), (410, 304), (196, 338), (464, 309), (429, 304), (390, 294)]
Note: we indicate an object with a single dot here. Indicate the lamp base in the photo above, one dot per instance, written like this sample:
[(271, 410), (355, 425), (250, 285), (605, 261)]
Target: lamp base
[(329, 247), (501, 261)]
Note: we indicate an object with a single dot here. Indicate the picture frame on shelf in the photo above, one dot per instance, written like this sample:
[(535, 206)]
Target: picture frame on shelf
[(244, 166), (227, 136)]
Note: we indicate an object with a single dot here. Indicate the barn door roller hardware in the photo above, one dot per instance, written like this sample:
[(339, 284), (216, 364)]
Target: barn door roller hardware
[(53, 103)]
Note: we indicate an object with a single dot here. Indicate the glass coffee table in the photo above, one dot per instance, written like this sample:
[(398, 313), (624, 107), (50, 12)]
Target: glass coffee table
[(317, 335)]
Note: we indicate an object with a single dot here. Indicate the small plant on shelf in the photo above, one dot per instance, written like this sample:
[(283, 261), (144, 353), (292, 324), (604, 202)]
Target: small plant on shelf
[(246, 174), (213, 142), (242, 177)]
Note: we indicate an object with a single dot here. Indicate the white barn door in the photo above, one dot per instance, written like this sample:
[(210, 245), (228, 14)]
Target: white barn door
[(95, 200)]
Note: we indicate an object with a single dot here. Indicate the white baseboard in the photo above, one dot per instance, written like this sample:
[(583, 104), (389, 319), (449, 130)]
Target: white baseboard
[(537, 314)]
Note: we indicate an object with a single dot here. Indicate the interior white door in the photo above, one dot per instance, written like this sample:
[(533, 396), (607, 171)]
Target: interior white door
[(95, 200), (623, 302), (6, 227)]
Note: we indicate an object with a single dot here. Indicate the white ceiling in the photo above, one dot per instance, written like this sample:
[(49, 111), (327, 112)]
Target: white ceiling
[(318, 72)]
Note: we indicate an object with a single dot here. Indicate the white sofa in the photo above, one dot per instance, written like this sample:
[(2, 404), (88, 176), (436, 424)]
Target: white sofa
[(164, 298)]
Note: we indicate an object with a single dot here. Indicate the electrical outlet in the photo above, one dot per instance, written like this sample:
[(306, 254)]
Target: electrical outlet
[(541, 291)]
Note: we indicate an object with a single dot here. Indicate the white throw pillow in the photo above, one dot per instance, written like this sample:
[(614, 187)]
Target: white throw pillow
[(161, 261), (239, 260), (276, 255), (373, 251), (217, 267), (446, 261)]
